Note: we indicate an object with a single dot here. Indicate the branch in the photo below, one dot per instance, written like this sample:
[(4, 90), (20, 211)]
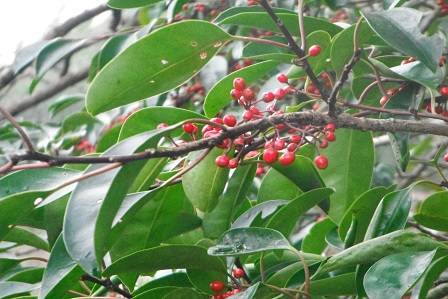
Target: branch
[(108, 284), (26, 139)]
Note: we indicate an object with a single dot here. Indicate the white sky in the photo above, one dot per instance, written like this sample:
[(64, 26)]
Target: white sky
[(23, 22)]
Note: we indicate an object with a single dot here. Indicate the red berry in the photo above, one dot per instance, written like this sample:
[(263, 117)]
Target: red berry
[(248, 115), (314, 50), (323, 143), (292, 147), (444, 91), (248, 94), (321, 162), (239, 84), (330, 136), (279, 93), (268, 97), (279, 144), (287, 158), (236, 94), (233, 164), (222, 161), (384, 100), (189, 128), (229, 120), (330, 127), (270, 155), (445, 158), (217, 286), (295, 138), (282, 78), (217, 120), (236, 291), (260, 170), (238, 273)]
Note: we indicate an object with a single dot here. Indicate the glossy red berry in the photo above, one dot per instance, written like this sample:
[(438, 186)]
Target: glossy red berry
[(189, 128), (321, 162), (287, 158), (330, 127), (236, 94), (217, 120), (248, 94), (270, 155), (230, 120), (247, 115), (292, 147), (238, 273), (330, 136), (444, 91), (282, 78), (233, 163), (279, 93), (268, 97), (323, 143), (295, 138), (314, 50), (260, 170), (239, 84), (384, 100), (222, 161), (217, 286), (445, 158), (279, 144)]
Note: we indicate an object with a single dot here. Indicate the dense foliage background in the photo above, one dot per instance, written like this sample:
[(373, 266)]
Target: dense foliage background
[(229, 149)]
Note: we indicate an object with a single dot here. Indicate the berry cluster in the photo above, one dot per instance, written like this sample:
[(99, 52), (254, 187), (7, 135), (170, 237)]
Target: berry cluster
[(85, 146), (441, 102), (443, 7), (219, 288), (279, 146)]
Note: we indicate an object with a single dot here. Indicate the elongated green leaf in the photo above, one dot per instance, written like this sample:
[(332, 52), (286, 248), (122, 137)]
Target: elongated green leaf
[(249, 293), (205, 182), (350, 169), (219, 219), (269, 190), (241, 241), (63, 103), (286, 218), (96, 200), (340, 285), (219, 96), (373, 250), (258, 51), (394, 275), (145, 69), (9, 288), (429, 277), (432, 212), (244, 9), (61, 272), (121, 4), (314, 241), (167, 257), (399, 27), (22, 236), (264, 210), (178, 279)]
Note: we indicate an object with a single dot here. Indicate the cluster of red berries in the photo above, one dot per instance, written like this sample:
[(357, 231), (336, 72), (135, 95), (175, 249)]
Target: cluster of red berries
[(85, 146), (441, 105), (280, 147), (218, 287), (443, 6), (241, 64)]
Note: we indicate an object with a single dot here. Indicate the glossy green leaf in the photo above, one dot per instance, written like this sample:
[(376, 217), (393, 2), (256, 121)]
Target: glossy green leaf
[(219, 96), (241, 241), (361, 211), (63, 103), (394, 275), (230, 12), (314, 241), (264, 210), (400, 147), (156, 292), (340, 285), (432, 212), (61, 272), (134, 74), (258, 51), (24, 237), (122, 4), (52, 53), (9, 288), (429, 277), (373, 250), (167, 257), (399, 28), (285, 219), (249, 293), (108, 139), (26, 55), (184, 294), (351, 160), (177, 279), (219, 219), (148, 118), (206, 181), (77, 120), (26, 274), (269, 190)]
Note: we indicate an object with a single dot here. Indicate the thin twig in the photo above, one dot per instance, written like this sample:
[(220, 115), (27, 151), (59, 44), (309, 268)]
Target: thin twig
[(25, 138), (108, 284)]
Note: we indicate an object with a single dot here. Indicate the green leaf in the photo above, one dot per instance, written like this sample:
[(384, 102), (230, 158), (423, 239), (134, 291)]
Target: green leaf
[(269, 190), (205, 182), (399, 27), (314, 241), (56, 50), (340, 285), (145, 69), (148, 118), (242, 241), (400, 147), (394, 275), (21, 191), (373, 250), (432, 212), (155, 293), (219, 219), (77, 120), (258, 51), (25, 274), (108, 139), (429, 277), (361, 211), (262, 20), (61, 272), (264, 209), (351, 160), (8, 288), (219, 96), (24, 237), (122, 4), (63, 103), (95, 201), (178, 279), (391, 214), (245, 9), (167, 257), (285, 219), (249, 293), (184, 294)]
